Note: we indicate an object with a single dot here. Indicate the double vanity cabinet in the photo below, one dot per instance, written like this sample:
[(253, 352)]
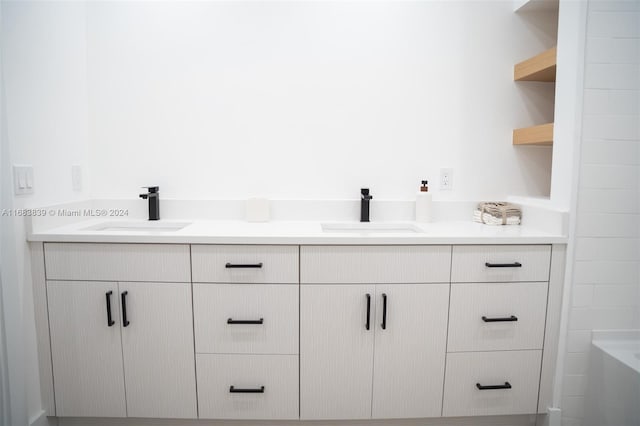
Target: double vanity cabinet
[(295, 332)]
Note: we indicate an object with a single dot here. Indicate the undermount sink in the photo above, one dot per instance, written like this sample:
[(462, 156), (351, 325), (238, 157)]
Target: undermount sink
[(370, 228), (137, 226)]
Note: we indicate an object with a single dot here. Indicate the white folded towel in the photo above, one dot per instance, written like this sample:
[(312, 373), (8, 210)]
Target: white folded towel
[(488, 219)]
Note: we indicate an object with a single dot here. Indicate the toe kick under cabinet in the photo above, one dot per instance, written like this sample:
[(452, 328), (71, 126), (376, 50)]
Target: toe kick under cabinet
[(295, 332)]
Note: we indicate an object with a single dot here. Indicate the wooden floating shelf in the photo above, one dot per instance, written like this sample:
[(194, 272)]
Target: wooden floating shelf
[(535, 135), (541, 67)]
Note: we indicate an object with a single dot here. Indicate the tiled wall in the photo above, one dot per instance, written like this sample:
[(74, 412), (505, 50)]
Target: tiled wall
[(606, 281)]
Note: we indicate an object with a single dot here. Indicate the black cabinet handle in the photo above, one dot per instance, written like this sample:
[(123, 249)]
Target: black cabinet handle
[(505, 319), (368, 324), (503, 265), (232, 321), (124, 308), (243, 265), (110, 320), (255, 390), (506, 385), (384, 311)]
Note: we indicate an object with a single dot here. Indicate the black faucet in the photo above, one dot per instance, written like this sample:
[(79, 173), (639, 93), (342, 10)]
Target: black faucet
[(364, 204), (154, 201)]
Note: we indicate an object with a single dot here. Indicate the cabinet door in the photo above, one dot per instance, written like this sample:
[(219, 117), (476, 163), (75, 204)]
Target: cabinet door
[(410, 350), (336, 351), (157, 346), (86, 349)]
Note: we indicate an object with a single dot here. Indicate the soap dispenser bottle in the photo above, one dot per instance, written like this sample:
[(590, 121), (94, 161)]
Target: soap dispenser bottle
[(423, 203)]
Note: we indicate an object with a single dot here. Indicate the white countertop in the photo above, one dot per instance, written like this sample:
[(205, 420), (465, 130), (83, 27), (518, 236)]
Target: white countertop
[(297, 233), (295, 222)]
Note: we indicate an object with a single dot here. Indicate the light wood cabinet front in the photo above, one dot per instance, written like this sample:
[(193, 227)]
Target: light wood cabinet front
[(86, 349), (246, 318), (248, 386), (157, 346), (336, 351), (331, 332), (491, 383), (497, 316), (410, 350)]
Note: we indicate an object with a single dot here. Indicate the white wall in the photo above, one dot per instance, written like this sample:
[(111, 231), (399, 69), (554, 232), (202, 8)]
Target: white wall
[(606, 277), (5, 400), (313, 99), (44, 59), (46, 89)]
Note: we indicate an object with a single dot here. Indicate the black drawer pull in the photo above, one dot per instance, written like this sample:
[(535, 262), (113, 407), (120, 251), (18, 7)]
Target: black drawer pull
[(243, 265), (232, 321), (125, 322), (503, 265), (367, 325), (506, 385), (110, 320), (384, 311), (505, 319), (255, 390)]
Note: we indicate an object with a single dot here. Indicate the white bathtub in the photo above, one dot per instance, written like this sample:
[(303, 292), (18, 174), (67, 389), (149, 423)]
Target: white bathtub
[(613, 389)]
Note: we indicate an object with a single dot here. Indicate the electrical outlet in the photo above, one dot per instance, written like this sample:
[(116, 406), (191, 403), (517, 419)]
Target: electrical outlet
[(446, 179)]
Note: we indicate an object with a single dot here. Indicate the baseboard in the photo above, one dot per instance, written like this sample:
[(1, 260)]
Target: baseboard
[(521, 420)]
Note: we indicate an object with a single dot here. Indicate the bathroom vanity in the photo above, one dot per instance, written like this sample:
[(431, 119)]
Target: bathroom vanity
[(404, 329)]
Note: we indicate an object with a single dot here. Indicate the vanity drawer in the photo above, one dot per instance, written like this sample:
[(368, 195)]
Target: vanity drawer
[(374, 264), (270, 384), (221, 310), (465, 371), (495, 263), (244, 264), (497, 316), (117, 262)]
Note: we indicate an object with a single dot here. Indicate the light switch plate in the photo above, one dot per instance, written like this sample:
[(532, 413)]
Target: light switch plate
[(23, 179)]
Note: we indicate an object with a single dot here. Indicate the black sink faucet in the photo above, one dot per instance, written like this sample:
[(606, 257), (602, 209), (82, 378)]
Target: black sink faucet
[(364, 204), (154, 201)]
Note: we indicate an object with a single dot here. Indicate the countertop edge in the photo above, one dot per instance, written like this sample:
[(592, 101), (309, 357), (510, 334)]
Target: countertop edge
[(296, 240)]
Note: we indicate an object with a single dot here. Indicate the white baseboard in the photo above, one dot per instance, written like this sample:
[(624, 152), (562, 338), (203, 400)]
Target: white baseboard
[(521, 420)]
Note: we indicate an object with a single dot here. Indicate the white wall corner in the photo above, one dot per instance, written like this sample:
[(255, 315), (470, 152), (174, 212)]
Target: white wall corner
[(552, 418), (555, 416), (534, 5), (41, 419), (572, 21), (517, 4)]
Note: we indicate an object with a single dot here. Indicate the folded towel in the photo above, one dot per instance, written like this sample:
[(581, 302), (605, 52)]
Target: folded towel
[(500, 209), (488, 219), (498, 213)]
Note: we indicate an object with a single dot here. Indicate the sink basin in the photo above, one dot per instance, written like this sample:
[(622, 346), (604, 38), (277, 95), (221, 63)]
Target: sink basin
[(137, 226), (371, 228)]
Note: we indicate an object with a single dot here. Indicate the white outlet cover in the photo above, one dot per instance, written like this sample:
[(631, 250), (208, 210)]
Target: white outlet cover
[(23, 179), (446, 179)]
